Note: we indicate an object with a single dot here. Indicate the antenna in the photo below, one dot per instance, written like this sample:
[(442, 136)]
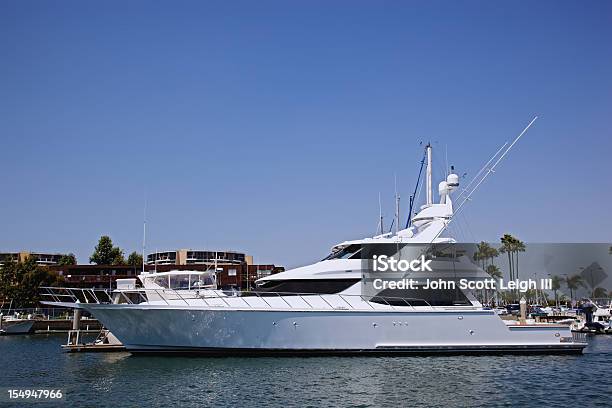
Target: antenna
[(380, 216), (144, 233), (416, 188), (429, 191), (446, 172), (397, 207)]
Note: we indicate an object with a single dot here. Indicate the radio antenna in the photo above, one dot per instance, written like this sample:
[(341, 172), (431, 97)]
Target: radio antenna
[(144, 232), (380, 216), (397, 207)]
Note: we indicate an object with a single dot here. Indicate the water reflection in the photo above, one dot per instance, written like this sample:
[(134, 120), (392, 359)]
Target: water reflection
[(121, 379)]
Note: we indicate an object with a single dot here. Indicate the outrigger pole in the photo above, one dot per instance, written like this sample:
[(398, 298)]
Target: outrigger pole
[(489, 171)]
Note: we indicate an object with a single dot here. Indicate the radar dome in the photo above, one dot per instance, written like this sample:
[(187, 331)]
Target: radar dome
[(452, 180)]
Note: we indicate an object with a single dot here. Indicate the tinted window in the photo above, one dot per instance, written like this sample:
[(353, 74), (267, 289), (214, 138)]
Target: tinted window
[(320, 286), (422, 297), (349, 252)]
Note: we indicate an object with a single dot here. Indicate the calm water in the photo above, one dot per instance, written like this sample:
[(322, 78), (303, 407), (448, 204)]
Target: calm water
[(118, 379)]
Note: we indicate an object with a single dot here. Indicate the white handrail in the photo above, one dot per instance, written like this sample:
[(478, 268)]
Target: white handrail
[(167, 295)]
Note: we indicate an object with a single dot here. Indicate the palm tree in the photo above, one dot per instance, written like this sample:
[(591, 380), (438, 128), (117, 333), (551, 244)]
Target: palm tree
[(573, 283), (556, 285), (507, 248), (512, 246), (496, 274), (599, 292), (482, 251), (492, 253), (519, 246)]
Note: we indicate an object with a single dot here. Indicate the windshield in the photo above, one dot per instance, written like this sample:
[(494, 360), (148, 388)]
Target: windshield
[(185, 281), (348, 252)]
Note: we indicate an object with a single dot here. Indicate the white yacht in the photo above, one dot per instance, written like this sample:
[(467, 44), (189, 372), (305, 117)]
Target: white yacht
[(321, 308), (15, 324)]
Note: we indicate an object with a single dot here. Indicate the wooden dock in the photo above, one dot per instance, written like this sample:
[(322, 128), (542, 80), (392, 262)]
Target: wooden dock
[(92, 348)]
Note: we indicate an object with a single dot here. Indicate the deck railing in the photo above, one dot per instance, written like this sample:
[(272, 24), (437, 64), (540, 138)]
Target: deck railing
[(214, 299)]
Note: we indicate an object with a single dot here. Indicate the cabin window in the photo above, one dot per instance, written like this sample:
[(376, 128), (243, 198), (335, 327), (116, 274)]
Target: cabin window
[(349, 252), (161, 281), (318, 286), (422, 297)]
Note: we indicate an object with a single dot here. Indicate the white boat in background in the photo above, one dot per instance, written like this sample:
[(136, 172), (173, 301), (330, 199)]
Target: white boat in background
[(320, 308), (13, 324), (601, 321)]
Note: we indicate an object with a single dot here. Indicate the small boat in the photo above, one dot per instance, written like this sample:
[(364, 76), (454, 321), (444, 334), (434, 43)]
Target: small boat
[(15, 325), (601, 322)]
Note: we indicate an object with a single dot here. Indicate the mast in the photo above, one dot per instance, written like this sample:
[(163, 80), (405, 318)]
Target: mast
[(429, 190), (397, 207), (144, 234), (416, 189), (380, 216)]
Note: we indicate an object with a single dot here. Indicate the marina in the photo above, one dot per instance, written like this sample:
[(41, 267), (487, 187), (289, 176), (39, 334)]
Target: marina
[(305, 204)]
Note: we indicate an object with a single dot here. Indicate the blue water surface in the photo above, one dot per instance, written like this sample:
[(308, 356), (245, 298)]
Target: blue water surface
[(120, 379)]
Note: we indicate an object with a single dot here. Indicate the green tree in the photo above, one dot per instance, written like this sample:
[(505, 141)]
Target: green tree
[(20, 281), (519, 246), (556, 282), (508, 248), (135, 260), (512, 246), (599, 292), (573, 283), (481, 253), (33, 276), (107, 254), (68, 259), (495, 273), (9, 283)]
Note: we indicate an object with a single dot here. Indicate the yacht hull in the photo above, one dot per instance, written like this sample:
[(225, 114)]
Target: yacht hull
[(158, 329), (17, 327)]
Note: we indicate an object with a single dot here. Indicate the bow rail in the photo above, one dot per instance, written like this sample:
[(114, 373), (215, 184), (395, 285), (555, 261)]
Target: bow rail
[(251, 300)]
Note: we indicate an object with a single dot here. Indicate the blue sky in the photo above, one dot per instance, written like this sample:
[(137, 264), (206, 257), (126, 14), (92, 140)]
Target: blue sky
[(271, 127)]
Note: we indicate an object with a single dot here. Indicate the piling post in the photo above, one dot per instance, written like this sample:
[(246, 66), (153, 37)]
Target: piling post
[(76, 319), (73, 335), (523, 304)]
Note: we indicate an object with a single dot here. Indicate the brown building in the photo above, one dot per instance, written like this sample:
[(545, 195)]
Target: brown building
[(197, 257), (234, 269), (41, 259), (93, 276)]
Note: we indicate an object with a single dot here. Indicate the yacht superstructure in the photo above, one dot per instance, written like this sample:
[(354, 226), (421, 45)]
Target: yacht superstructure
[(321, 308)]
